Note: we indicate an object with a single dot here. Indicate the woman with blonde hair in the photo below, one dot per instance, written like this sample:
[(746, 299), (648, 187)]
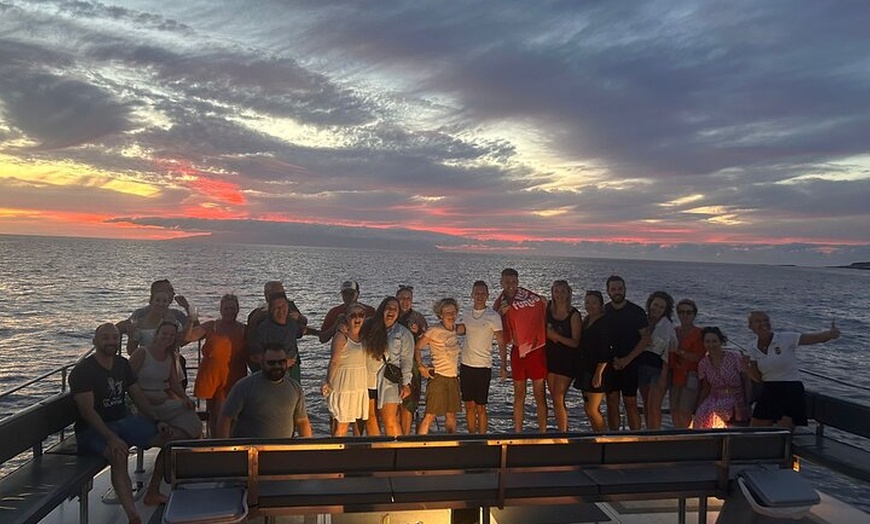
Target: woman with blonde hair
[(683, 365), (564, 325), (223, 358), (442, 391)]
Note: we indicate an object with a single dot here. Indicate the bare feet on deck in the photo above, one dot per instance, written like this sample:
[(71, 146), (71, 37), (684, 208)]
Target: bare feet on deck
[(154, 499)]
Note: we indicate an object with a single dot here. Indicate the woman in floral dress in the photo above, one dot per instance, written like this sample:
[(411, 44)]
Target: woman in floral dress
[(721, 383)]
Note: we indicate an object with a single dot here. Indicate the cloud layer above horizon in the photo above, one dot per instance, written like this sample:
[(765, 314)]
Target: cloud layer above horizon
[(701, 130)]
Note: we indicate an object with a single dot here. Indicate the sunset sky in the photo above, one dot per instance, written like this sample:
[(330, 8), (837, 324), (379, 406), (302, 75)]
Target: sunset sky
[(695, 130)]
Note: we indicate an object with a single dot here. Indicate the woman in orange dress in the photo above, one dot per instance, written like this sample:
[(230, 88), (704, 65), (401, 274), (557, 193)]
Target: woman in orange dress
[(223, 358)]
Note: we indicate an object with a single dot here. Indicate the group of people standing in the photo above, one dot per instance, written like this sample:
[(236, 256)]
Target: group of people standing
[(380, 356)]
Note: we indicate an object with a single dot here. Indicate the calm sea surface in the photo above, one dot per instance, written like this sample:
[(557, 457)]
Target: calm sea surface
[(55, 291)]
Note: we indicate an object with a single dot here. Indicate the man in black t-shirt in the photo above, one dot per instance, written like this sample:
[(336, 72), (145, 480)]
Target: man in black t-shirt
[(98, 385), (629, 334)]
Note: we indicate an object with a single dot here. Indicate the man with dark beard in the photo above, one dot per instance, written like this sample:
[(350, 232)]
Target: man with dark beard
[(629, 334), (268, 403)]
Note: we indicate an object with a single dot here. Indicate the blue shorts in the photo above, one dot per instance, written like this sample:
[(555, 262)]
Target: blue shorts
[(135, 431), (648, 375)]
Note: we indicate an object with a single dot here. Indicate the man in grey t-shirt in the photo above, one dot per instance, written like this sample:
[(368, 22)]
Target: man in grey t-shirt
[(267, 404)]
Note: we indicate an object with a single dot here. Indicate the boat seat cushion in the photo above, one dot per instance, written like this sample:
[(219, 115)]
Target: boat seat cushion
[(322, 492), (206, 503), (656, 480), (532, 484), (481, 487)]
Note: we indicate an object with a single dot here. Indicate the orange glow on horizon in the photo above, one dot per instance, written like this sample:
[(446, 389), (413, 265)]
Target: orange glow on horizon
[(76, 224), (39, 222)]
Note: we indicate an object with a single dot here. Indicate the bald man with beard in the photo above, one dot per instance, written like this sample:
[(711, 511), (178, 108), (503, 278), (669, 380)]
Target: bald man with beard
[(99, 385)]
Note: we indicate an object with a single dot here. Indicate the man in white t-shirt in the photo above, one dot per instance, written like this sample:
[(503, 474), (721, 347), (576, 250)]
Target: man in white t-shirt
[(481, 326)]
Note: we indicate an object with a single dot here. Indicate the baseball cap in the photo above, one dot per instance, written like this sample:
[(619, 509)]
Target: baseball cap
[(349, 285)]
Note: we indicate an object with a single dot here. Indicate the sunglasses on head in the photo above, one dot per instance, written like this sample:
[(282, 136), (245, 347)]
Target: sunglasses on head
[(403, 287), (685, 312), (356, 315)]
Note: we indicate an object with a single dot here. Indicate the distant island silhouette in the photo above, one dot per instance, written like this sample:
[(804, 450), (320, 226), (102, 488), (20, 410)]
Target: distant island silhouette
[(857, 265)]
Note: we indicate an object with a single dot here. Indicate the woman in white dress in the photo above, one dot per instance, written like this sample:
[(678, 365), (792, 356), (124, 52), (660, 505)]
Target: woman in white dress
[(346, 390)]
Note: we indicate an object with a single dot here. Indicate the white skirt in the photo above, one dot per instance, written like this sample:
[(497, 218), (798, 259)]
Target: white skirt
[(349, 398)]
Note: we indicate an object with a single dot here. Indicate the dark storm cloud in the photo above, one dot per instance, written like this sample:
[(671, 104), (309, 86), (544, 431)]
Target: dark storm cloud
[(666, 94)]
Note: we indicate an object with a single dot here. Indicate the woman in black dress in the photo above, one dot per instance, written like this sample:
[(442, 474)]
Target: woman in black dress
[(595, 357), (563, 338)]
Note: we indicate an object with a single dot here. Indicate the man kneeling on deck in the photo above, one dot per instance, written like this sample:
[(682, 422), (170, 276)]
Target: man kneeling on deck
[(99, 384)]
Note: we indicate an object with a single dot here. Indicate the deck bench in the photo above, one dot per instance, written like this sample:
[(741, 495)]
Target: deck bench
[(305, 476), (829, 450), (33, 490)]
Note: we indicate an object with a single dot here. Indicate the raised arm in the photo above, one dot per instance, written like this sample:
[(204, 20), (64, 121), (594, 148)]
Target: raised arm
[(196, 332), (808, 339)]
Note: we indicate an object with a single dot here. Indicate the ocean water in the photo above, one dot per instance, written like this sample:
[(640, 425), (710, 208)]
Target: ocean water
[(55, 291)]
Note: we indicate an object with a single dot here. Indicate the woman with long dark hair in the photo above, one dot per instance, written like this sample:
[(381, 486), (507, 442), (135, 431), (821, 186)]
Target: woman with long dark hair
[(595, 356), (653, 361), (387, 344), (721, 400)]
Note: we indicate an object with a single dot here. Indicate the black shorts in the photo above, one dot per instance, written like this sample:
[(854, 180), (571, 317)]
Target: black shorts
[(625, 380), (782, 399), (373, 394), (561, 361), (584, 381), (474, 384)]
